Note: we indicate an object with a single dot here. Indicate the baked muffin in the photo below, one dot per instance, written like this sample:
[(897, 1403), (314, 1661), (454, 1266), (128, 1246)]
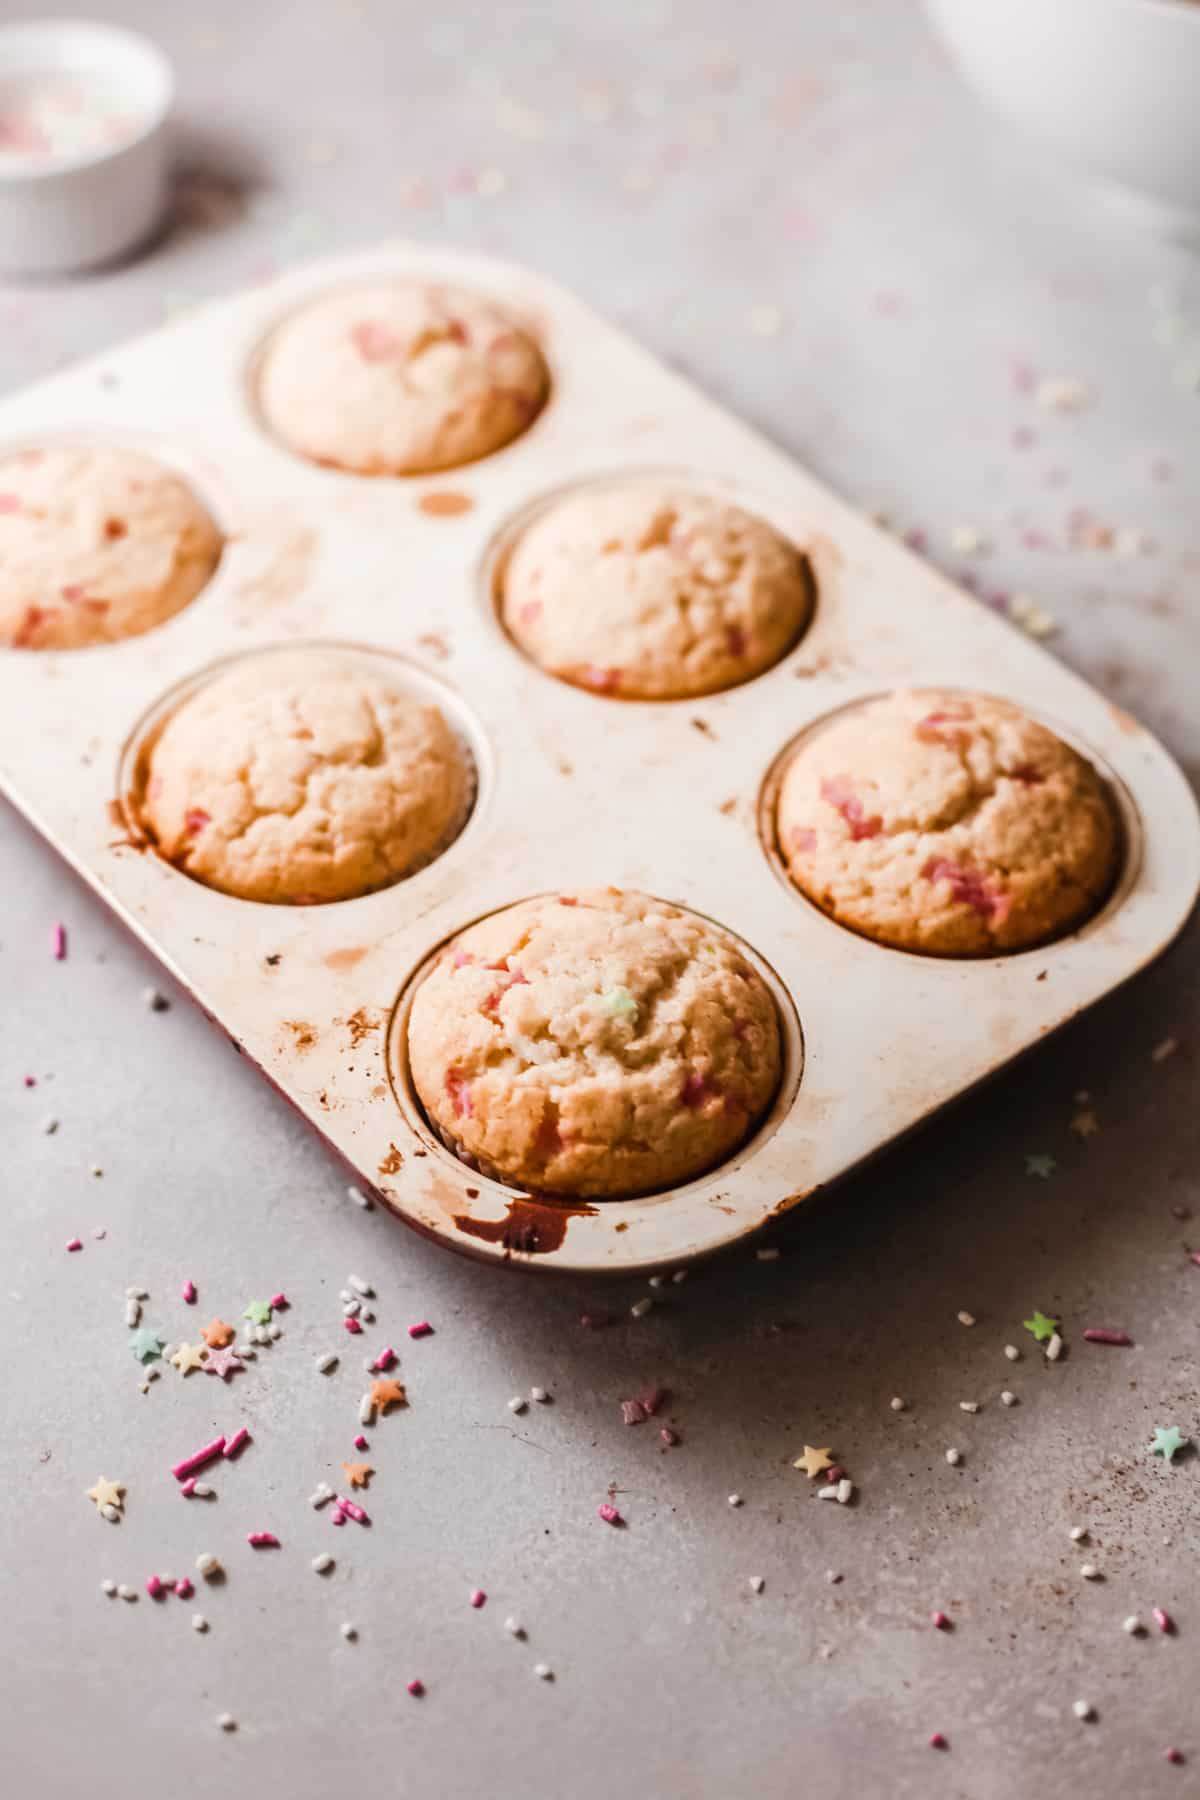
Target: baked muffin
[(649, 592), (598, 1044), (397, 378), (949, 823), (96, 545), (304, 776)]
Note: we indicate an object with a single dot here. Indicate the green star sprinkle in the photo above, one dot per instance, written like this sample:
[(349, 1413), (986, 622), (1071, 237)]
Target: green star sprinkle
[(1041, 1165), (1041, 1327), (1167, 1441), (146, 1345), (258, 1312), (619, 1001)]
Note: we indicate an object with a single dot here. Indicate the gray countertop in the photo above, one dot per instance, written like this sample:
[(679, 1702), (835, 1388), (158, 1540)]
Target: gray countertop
[(799, 206)]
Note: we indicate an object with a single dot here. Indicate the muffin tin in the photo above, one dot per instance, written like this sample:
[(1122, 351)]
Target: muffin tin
[(575, 790)]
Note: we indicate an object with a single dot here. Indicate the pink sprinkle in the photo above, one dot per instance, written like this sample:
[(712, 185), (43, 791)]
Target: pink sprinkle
[(352, 1507), (1195, 1253), (360, 1442), (189, 1486), (352, 1326), (423, 1329), (58, 939), (655, 1400), (802, 839), (609, 1514), (968, 888), (1172, 1755), (74, 1243), (184, 1588), (941, 1620), (262, 1540), (385, 1359), (195, 820), (939, 1741), (478, 1597), (189, 1292), (10, 503), (668, 1436), (190, 1464), (241, 1436), (633, 1412), (602, 680), (278, 1300), (839, 794), (337, 1516), (1102, 1334), (1162, 1619), (459, 1090), (696, 1090), (374, 341), (916, 540), (154, 1587), (416, 1689), (31, 1081)]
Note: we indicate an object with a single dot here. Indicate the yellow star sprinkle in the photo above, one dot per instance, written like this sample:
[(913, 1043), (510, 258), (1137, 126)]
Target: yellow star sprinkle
[(813, 1461), (107, 1493), (189, 1357)]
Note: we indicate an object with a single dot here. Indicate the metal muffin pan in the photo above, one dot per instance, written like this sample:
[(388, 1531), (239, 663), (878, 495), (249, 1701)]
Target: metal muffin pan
[(575, 790)]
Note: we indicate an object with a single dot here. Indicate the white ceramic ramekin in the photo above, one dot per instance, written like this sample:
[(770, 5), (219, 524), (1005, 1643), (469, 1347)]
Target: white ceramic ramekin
[(1113, 84), (63, 213)]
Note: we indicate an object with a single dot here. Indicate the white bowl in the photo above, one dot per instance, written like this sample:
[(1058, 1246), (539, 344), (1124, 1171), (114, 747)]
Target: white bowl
[(1113, 84), (90, 198)]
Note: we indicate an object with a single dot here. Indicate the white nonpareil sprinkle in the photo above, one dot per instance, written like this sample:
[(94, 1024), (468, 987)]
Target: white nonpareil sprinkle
[(1162, 1051), (108, 1587), (833, 1576), (153, 1374), (1089, 1571), (133, 1312), (136, 1293), (968, 540), (735, 1499), (321, 1563), (540, 1394), (203, 1491), (110, 1513), (1008, 1398), (356, 1195), (971, 1406), (1083, 1709), (349, 1631), (769, 1255), (126, 1593), (954, 1457), (368, 1366), (320, 1496), (1054, 1348), (679, 1275), (345, 1294), (518, 1403), (261, 1335), (352, 1307), (1012, 1353), (1133, 1625), (898, 1404), (274, 1330), (966, 1318), (845, 1489), (543, 1671), (207, 1563), (757, 1584), (657, 1281), (366, 1410), (360, 1286), (514, 1628), (640, 1308), (227, 1722), (326, 1362), (199, 1622), (1062, 393), (1078, 1533), (167, 1580), (827, 1493)]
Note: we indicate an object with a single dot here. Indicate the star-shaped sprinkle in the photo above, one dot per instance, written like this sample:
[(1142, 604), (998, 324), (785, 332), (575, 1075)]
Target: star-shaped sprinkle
[(146, 1345), (1041, 1165), (1041, 1327), (258, 1312), (188, 1357), (217, 1334), (1085, 1124), (107, 1493), (388, 1393), (813, 1461), (357, 1474), (1167, 1441), (224, 1363)]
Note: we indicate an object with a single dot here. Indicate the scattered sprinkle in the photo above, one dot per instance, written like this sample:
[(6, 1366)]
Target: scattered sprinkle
[(1162, 1619), (1007, 1397), (514, 1628), (543, 1671), (735, 1499), (125, 1592), (813, 1462), (941, 1620), (609, 1514), (641, 1307), (199, 1622), (1083, 1709), (74, 1243), (155, 1001), (1062, 393), (385, 1359), (226, 1721), (768, 1255), (108, 1587), (107, 1494), (1172, 1755), (348, 1631), (358, 1198), (240, 1437), (262, 1540), (321, 1496), (757, 1583), (898, 1405), (478, 1597), (954, 1457), (968, 1406), (1103, 1334), (1165, 1049), (1040, 1165), (207, 1564), (258, 1312), (518, 1403), (416, 1688), (190, 1464), (1078, 1533), (844, 1491), (966, 1318), (540, 1394), (1054, 1348), (352, 1325), (1089, 1571), (146, 1345), (58, 943), (326, 1363), (360, 1286), (189, 1292), (939, 1741), (1012, 1353), (1040, 1326)]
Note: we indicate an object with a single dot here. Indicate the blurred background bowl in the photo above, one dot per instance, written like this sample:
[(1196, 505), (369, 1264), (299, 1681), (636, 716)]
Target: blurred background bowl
[(1113, 84)]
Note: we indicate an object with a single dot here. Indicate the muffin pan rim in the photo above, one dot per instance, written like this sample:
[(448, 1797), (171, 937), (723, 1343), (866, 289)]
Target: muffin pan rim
[(60, 730)]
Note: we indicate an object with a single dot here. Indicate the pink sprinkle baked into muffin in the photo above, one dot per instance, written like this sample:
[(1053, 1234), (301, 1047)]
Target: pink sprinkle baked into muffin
[(948, 823), (399, 378), (647, 592), (597, 1044)]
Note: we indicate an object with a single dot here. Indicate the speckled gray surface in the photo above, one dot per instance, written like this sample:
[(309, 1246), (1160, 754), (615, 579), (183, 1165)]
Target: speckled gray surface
[(679, 167)]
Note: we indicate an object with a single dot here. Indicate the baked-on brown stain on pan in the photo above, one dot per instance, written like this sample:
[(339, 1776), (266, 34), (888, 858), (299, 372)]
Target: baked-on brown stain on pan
[(530, 1228), (360, 1024)]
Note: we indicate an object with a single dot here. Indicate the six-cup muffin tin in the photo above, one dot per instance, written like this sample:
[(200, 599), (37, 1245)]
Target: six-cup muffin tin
[(575, 790)]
